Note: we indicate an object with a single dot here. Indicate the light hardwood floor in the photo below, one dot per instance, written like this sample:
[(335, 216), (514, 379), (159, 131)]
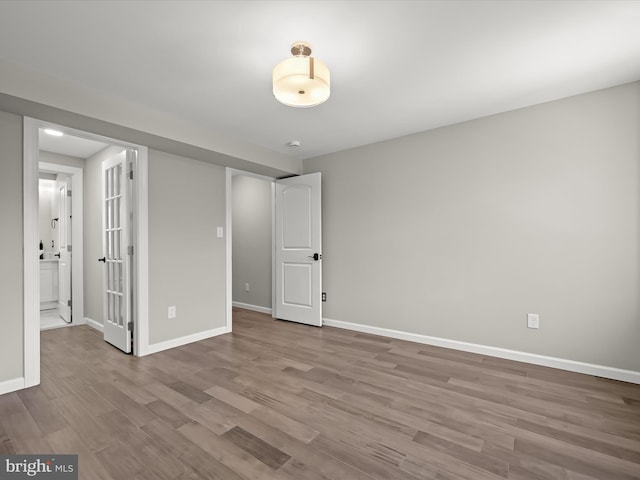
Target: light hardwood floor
[(277, 400)]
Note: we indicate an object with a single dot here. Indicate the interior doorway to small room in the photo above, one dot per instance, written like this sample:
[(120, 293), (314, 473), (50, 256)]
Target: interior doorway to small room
[(55, 246), (61, 174), (84, 199), (252, 242), (274, 246)]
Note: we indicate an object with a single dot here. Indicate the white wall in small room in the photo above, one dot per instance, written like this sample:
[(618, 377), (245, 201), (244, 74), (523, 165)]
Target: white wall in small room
[(459, 232), (49, 208), (46, 214), (48, 211), (251, 249)]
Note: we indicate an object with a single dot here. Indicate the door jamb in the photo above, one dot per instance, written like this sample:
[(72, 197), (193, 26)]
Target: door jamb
[(31, 279), (230, 173)]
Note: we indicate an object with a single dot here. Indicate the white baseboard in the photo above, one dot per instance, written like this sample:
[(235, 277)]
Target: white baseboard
[(93, 324), (12, 385), (178, 342), (535, 359), (254, 308)]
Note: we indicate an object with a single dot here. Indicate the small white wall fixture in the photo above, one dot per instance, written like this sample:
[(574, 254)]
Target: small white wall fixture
[(31, 280)]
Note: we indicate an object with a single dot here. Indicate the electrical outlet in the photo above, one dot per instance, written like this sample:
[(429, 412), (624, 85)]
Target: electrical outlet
[(220, 232), (324, 296), (246, 287), (533, 320), (171, 312)]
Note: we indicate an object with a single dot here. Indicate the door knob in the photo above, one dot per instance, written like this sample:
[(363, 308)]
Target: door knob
[(103, 259), (315, 256)]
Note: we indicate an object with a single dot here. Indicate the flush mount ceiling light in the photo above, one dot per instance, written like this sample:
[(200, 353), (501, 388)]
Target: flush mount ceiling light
[(51, 131), (301, 81)]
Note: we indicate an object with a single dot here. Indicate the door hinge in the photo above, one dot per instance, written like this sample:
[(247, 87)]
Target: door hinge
[(131, 173), (68, 303), (69, 248), (130, 249), (130, 326), (68, 193)]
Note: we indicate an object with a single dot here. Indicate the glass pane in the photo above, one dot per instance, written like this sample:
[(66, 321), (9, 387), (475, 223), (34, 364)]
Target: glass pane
[(116, 213), (116, 311), (116, 277), (122, 317), (109, 214), (110, 183), (117, 180), (106, 184)]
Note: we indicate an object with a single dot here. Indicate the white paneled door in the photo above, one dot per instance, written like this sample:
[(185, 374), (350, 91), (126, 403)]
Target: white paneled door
[(115, 247), (64, 246), (298, 261)]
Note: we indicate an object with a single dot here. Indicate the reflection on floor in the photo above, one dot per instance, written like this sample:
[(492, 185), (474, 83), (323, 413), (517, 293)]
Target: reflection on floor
[(51, 319)]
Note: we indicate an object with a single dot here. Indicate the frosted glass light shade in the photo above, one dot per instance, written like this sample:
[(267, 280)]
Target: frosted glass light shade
[(301, 81)]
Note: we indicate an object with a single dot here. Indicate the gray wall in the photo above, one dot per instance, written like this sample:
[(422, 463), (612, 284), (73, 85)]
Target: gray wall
[(11, 338), (460, 232), (252, 252), (186, 259), (93, 270)]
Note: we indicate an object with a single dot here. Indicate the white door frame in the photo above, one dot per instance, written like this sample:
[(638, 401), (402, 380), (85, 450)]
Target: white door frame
[(230, 173), (31, 266), (77, 237)]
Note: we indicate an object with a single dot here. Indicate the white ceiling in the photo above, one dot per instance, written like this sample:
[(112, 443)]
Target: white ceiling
[(397, 67), (69, 145)]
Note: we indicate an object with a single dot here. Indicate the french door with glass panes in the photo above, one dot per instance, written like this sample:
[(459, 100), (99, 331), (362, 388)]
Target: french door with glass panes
[(116, 240)]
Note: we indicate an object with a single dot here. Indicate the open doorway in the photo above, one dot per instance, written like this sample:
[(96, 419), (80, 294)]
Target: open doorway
[(55, 247), (83, 178), (62, 163), (295, 224), (252, 244), (250, 219)]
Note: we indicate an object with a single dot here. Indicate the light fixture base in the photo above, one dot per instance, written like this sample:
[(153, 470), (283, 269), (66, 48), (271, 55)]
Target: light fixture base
[(300, 49)]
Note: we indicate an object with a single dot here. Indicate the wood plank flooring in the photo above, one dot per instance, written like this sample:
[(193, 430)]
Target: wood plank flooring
[(282, 401)]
